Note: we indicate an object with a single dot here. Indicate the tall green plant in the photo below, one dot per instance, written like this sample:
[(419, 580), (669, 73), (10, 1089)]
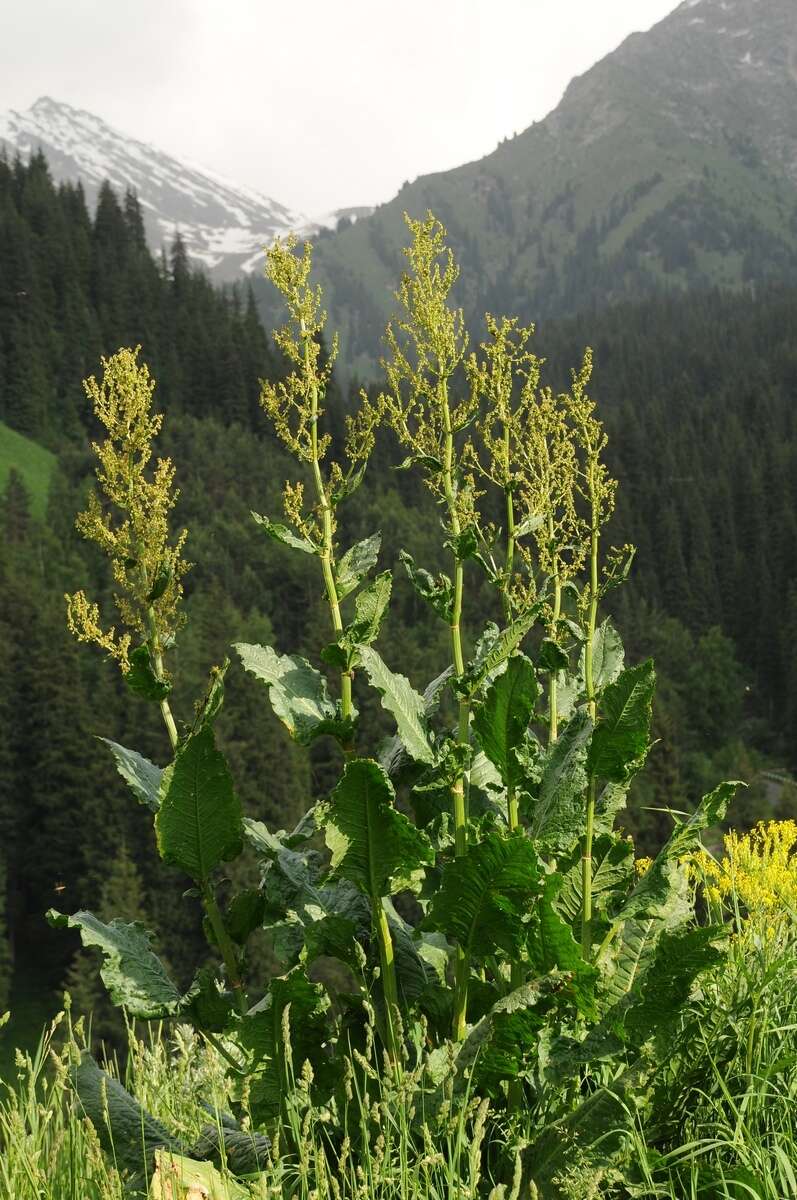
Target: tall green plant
[(499, 941)]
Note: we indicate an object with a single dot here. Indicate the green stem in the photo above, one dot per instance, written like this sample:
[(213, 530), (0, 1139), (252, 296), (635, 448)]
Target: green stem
[(459, 787), (225, 944), (328, 549), (384, 939), (586, 856)]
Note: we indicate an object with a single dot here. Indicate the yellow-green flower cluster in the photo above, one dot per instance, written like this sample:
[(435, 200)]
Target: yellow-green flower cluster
[(428, 346), (131, 525), (759, 870), (295, 404)]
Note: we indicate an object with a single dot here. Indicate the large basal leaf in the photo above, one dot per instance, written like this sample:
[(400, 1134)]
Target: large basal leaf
[(298, 692), (128, 1134), (373, 845), (142, 776), (281, 533), (274, 1063), (199, 822), (403, 702), (500, 722), (558, 814), (622, 733), (131, 970), (485, 896), (356, 563)]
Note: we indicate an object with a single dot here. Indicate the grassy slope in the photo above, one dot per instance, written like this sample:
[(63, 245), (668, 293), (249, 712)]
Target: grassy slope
[(33, 462)]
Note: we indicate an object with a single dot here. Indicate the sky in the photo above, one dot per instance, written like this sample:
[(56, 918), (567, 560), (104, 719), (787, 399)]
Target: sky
[(320, 104)]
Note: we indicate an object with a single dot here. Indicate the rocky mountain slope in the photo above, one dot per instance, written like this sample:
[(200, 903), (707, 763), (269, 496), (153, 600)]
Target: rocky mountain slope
[(671, 163), (224, 226)]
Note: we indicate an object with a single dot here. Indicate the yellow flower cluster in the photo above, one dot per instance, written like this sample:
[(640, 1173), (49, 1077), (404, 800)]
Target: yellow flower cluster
[(759, 869)]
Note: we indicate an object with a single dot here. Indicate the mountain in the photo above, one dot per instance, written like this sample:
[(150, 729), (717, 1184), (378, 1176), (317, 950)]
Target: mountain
[(223, 225), (672, 163)]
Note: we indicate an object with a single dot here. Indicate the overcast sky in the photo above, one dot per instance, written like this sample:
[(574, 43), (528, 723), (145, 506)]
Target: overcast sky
[(319, 104)]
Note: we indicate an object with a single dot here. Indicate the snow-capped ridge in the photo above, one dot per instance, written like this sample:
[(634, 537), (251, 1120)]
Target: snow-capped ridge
[(225, 226)]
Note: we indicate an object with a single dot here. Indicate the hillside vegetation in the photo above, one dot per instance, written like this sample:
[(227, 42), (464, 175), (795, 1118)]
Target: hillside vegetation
[(668, 165)]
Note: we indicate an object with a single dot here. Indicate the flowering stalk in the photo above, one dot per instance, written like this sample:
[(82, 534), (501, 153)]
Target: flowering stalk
[(428, 344)]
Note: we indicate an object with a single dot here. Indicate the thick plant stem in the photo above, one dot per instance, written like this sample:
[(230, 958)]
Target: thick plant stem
[(553, 698), (586, 855), (388, 967), (385, 942), (459, 788), (226, 946), (327, 550)]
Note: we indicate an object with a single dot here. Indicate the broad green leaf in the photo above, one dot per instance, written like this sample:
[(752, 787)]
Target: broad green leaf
[(608, 655), (407, 707), (301, 912), (501, 720), (199, 822), (128, 1134), (294, 1005), (505, 644), (437, 591), (592, 1136), (485, 896), (131, 970), (141, 678), (551, 656), (622, 734), (244, 914), (356, 563), (298, 692), (373, 845), (392, 755), (552, 947), (421, 959), (142, 776), (503, 1044), (652, 894), (681, 956), (612, 873), (370, 607), (210, 1008), (181, 1178), (558, 815), (281, 533)]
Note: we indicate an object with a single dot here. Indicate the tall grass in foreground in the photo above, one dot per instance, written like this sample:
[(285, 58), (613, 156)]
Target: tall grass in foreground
[(719, 1124)]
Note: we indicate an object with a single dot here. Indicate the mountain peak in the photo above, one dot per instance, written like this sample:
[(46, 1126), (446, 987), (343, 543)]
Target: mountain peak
[(225, 227)]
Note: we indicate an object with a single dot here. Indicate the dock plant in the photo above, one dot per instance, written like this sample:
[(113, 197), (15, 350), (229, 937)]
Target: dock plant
[(493, 943)]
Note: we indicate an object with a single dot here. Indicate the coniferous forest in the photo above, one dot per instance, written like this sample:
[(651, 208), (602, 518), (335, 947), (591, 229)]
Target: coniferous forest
[(698, 398)]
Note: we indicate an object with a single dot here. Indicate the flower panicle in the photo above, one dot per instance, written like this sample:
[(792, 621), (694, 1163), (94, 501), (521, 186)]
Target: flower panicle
[(127, 515)]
